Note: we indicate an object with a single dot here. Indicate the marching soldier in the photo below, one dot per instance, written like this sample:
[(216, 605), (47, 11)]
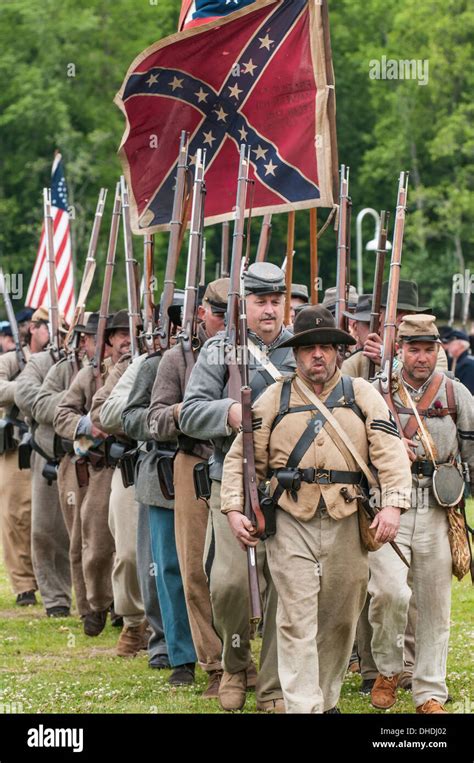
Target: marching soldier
[(208, 413), (49, 538), (15, 499), (316, 558), (190, 513), (299, 298), (72, 421), (71, 494), (437, 417), (456, 343)]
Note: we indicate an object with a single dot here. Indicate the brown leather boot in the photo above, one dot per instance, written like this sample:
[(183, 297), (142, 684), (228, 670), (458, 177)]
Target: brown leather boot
[(213, 682), (232, 690), (431, 706), (384, 691), (132, 640)]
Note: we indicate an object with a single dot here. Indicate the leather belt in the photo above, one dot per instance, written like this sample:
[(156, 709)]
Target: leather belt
[(325, 476)]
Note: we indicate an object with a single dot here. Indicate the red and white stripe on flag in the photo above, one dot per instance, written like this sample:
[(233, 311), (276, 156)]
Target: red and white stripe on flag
[(37, 295)]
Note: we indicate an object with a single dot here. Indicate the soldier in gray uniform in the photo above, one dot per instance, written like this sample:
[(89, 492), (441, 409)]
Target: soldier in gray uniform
[(208, 413), (437, 417)]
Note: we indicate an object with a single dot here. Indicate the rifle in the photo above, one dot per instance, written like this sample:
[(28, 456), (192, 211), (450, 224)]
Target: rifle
[(264, 240), (390, 327), (193, 271), (71, 340), (20, 353), (53, 307), (374, 326), (342, 259), (131, 264), (148, 304), (465, 312), (452, 313), (106, 289), (288, 270), (177, 229), (224, 273), (239, 387), (313, 256)]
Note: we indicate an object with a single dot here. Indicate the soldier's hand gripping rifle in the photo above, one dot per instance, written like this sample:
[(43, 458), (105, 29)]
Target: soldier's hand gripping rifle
[(71, 341), (342, 249), (177, 230), (131, 269), (390, 326), (374, 326), (53, 307), (193, 272), (20, 353), (106, 290), (239, 387)]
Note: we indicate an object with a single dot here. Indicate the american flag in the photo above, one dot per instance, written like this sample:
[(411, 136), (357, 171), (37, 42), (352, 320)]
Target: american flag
[(38, 289)]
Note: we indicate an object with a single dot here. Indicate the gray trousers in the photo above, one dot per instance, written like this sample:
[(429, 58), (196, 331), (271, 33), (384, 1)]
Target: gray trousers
[(226, 566), (147, 582), (49, 539)]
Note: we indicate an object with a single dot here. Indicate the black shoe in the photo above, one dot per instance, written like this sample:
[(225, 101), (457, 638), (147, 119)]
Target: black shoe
[(94, 622), (58, 612), (366, 685), (116, 621), (332, 711), (26, 599), (182, 675), (160, 662)]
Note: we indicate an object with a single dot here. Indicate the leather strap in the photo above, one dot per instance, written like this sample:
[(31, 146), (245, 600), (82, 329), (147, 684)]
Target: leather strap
[(452, 409), (427, 398)]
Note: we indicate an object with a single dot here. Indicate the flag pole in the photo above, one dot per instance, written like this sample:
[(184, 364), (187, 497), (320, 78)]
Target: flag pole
[(290, 241)]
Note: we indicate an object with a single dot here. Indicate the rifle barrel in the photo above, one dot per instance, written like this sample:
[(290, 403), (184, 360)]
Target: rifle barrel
[(342, 249)]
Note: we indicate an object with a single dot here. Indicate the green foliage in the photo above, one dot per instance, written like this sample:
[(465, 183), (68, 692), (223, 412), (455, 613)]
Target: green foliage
[(61, 63)]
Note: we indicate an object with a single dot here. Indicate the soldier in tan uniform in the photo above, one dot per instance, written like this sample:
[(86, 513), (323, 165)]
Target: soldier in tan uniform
[(72, 421), (440, 433), (49, 538), (71, 495), (316, 558), (15, 494)]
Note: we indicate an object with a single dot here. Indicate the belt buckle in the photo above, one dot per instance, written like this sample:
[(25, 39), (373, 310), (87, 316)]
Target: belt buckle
[(322, 476)]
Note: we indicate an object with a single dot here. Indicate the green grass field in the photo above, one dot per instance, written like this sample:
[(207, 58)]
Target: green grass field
[(49, 666)]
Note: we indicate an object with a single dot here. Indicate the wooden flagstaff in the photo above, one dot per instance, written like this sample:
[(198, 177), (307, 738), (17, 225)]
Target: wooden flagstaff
[(290, 242), (313, 254)]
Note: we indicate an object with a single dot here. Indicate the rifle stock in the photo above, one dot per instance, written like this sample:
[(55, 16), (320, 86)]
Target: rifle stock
[(374, 326), (390, 326), (177, 229), (106, 289), (148, 305)]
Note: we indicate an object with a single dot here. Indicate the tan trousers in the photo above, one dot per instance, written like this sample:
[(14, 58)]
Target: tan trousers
[(226, 566), (320, 572), (123, 521), (15, 519), (190, 523), (368, 668), (71, 497), (97, 542), (49, 539), (423, 539)]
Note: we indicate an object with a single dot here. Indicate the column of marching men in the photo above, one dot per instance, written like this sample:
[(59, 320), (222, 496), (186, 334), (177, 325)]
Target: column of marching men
[(112, 508)]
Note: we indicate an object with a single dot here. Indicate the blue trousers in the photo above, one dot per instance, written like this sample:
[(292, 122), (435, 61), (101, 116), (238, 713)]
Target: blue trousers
[(170, 587)]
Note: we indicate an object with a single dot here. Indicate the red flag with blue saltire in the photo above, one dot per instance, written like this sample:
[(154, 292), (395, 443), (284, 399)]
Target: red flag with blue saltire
[(260, 76), (37, 295)]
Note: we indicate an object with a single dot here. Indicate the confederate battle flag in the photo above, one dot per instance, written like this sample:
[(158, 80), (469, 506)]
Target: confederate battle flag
[(260, 76)]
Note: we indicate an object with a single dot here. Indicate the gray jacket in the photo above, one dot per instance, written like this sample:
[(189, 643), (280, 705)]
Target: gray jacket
[(28, 387), (147, 486), (206, 402)]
